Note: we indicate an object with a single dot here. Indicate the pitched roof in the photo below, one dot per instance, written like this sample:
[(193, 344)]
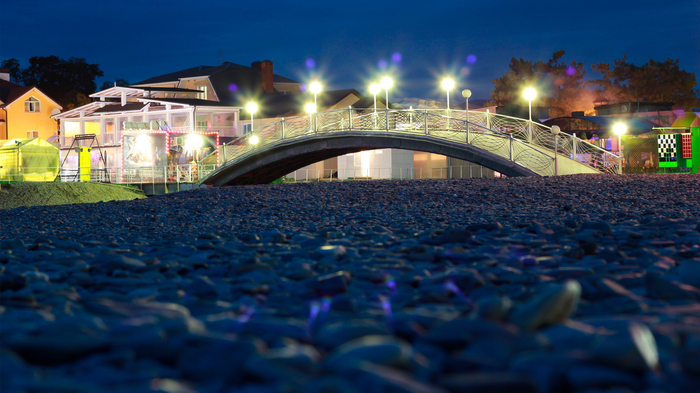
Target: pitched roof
[(201, 70), (10, 92), (276, 105), (131, 106), (282, 79)]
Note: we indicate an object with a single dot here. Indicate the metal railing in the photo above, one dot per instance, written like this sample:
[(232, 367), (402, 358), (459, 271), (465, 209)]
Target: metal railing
[(190, 173), (422, 123)]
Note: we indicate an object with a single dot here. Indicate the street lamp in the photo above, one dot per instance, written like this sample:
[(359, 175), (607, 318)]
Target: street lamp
[(555, 131), (315, 88), (386, 84), (375, 89), (466, 93), (253, 140), (251, 108), (310, 109), (530, 95), (448, 84), (619, 129)]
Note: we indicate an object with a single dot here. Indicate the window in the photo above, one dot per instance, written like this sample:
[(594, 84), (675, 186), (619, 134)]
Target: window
[(246, 129), (203, 94), (32, 105), (32, 134)]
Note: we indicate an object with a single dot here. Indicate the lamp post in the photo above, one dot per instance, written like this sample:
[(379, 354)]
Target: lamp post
[(466, 93), (448, 84), (375, 89), (619, 129), (555, 131), (251, 108), (386, 84), (311, 109), (530, 95), (253, 140), (315, 88)]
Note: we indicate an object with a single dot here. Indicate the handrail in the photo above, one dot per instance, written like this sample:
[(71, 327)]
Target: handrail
[(416, 122)]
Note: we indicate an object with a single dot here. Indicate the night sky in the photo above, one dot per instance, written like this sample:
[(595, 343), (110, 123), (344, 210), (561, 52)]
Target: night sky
[(351, 44)]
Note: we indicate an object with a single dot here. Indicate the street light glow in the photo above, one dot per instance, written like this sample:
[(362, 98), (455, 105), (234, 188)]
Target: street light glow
[(386, 83), (251, 107), (254, 140), (310, 108), (315, 87), (619, 128), (375, 88), (448, 84), (466, 93), (530, 94)]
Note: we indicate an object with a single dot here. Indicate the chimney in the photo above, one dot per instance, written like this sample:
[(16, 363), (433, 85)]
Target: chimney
[(5, 73), (266, 71)]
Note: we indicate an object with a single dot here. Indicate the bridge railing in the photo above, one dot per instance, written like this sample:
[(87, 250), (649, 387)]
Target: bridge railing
[(540, 135), (412, 122)]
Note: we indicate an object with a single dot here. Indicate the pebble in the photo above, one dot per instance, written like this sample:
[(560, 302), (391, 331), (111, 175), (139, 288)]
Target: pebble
[(515, 284)]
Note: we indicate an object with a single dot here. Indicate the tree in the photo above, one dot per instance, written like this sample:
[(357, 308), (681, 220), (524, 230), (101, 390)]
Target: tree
[(653, 82), (15, 72), (69, 82), (559, 86), (119, 82)]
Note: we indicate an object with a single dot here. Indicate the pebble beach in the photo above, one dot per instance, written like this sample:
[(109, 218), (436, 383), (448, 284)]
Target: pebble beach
[(583, 283)]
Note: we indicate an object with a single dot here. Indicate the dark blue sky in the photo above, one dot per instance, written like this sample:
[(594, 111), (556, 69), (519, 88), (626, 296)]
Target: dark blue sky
[(349, 41)]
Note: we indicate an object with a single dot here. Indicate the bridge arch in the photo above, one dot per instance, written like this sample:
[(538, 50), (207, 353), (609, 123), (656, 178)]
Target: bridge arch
[(514, 147), (276, 161)]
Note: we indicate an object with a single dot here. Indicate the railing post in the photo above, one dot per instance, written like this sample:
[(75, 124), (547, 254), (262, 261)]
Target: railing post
[(556, 156), (425, 121), (350, 118), (488, 119), (573, 145), (467, 127), (386, 111), (282, 128), (510, 148)]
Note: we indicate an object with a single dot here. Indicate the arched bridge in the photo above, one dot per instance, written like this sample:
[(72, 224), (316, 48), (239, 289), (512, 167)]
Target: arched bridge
[(512, 146)]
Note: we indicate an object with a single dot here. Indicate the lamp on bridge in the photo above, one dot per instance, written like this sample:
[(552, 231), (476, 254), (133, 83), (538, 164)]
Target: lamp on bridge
[(375, 89), (251, 108), (530, 95), (466, 93), (448, 84), (253, 140), (619, 129), (386, 84), (315, 88), (310, 109)]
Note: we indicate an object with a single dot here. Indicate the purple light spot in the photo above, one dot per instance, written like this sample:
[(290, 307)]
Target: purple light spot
[(571, 71), (382, 64), (310, 63), (326, 304), (396, 57), (471, 59), (232, 87), (464, 71), (386, 306)]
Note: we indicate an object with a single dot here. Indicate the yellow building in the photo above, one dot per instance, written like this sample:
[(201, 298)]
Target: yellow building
[(25, 112)]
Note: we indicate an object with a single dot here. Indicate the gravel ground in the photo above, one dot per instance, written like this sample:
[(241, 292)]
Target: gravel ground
[(41, 194), (586, 283)]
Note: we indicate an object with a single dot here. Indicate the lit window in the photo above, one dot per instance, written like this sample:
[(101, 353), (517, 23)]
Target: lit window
[(32, 105), (203, 94), (32, 134), (246, 129)]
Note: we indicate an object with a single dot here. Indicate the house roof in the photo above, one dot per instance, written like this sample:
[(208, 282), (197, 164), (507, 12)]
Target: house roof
[(275, 105), (185, 101), (129, 107), (281, 79), (201, 70), (11, 92)]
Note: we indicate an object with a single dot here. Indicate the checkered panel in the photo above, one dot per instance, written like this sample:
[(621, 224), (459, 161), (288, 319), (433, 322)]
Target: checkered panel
[(686, 146), (668, 148)]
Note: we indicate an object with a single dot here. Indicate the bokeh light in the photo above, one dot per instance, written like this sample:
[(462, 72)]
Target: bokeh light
[(310, 63), (381, 64), (396, 57), (571, 71), (471, 59), (232, 87)]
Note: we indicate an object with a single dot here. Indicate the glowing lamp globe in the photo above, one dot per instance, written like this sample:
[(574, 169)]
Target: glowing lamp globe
[(386, 83), (619, 129), (310, 108), (254, 140), (315, 87), (448, 84), (556, 130), (375, 88), (251, 107), (466, 93), (530, 94)]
